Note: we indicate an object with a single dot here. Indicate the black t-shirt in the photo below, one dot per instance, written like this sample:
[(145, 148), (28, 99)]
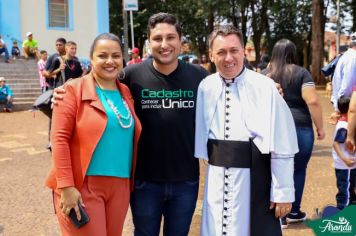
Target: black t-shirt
[(50, 61), (50, 66), (165, 106), (72, 70), (300, 77)]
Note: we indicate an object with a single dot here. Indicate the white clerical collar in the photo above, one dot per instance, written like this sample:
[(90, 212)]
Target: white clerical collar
[(235, 80)]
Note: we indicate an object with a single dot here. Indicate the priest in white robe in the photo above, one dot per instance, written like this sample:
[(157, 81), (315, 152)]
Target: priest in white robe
[(245, 130)]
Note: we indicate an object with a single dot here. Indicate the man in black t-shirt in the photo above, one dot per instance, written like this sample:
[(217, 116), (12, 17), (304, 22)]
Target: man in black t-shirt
[(52, 78), (167, 174), (69, 63)]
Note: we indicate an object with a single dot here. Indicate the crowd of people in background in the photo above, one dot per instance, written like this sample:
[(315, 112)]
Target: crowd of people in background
[(216, 119)]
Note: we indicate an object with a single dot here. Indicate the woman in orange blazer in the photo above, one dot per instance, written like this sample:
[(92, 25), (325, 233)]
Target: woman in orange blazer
[(95, 133)]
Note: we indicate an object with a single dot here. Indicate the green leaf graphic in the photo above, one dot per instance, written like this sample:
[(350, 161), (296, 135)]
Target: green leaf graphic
[(343, 223)]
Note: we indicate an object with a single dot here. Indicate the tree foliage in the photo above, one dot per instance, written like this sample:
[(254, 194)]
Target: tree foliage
[(262, 21)]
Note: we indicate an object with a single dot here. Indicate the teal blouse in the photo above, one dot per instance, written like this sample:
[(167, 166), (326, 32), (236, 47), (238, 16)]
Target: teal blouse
[(113, 154)]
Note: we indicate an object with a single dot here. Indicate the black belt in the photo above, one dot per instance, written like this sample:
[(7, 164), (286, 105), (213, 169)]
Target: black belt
[(227, 153)]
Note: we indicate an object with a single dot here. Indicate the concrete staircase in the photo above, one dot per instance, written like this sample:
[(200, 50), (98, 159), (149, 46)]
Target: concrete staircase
[(22, 77)]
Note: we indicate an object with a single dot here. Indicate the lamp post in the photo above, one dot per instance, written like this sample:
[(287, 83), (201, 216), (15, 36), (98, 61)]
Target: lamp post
[(126, 35), (130, 5)]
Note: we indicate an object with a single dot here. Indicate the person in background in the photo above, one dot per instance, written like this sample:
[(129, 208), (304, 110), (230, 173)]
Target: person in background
[(51, 77), (301, 96), (186, 59), (205, 63), (185, 48), (263, 63), (40, 68), (3, 49), (95, 133), (351, 127), (195, 61), (245, 130), (85, 63), (30, 47), (145, 56), (65, 67), (68, 63), (135, 57), (6, 97), (344, 161), (344, 78), (248, 64), (15, 50)]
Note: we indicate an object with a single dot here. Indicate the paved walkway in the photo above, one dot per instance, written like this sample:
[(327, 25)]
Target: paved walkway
[(25, 204)]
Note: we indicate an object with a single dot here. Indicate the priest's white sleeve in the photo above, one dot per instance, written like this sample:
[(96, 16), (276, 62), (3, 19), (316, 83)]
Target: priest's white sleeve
[(201, 129), (282, 186)]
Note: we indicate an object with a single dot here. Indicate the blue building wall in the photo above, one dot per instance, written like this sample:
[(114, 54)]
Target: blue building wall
[(102, 11), (10, 21)]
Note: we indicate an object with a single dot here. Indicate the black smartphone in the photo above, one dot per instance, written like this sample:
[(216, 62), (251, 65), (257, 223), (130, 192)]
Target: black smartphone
[(73, 217)]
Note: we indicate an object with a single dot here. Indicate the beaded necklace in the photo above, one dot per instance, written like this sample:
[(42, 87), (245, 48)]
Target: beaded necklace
[(120, 117)]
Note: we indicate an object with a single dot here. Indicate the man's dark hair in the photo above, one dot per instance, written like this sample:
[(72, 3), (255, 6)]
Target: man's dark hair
[(43, 52), (343, 104), (163, 18), (62, 40), (225, 30)]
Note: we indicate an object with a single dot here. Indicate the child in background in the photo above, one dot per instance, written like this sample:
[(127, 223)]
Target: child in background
[(41, 67), (15, 50), (344, 162)]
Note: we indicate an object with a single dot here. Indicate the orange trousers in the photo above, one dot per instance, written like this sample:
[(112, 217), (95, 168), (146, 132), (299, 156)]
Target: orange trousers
[(106, 201)]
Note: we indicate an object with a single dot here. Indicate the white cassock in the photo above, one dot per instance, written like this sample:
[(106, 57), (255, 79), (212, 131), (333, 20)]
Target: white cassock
[(248, 107)]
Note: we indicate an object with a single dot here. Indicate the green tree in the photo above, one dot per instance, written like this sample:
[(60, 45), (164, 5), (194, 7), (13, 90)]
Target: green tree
[(259, 23), (291, 20)]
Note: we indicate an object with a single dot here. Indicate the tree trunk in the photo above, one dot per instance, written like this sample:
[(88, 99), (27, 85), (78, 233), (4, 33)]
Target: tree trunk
[(258, 23), (317, 43), (210, 19), (244, 24)]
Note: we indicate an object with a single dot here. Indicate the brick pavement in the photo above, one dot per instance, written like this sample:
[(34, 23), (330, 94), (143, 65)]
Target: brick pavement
[(25, 204)]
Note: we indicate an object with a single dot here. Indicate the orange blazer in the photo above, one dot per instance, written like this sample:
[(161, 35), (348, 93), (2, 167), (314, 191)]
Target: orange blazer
[(77, 126)]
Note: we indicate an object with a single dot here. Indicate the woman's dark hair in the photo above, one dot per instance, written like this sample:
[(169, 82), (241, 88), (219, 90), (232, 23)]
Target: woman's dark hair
[(163, 17), (107, 36), (284, 58)]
